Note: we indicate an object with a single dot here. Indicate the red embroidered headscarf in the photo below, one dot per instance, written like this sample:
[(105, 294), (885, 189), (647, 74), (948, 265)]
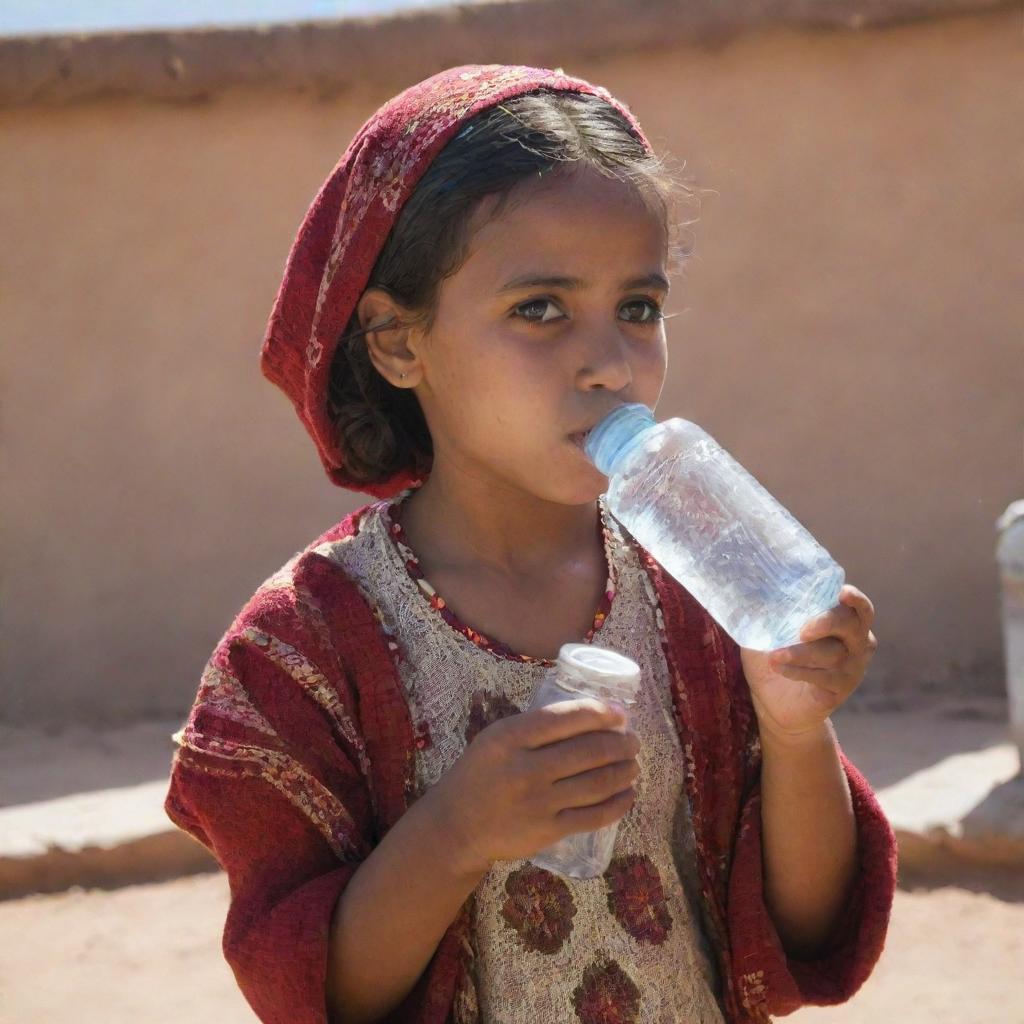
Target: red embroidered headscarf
[(348, 223)]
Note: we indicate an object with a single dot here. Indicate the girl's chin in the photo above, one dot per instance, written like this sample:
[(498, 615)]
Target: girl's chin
[(585, 481)]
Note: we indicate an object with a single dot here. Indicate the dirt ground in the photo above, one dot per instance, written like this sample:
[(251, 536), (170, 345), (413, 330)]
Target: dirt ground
[(151, 953)]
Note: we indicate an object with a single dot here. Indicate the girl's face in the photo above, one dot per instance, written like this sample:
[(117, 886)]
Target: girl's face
[(552, 321)]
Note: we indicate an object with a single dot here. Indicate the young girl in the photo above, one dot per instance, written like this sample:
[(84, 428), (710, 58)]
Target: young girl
[(479, 281)]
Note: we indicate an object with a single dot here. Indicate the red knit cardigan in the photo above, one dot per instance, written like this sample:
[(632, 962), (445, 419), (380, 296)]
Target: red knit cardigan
[(298, 755)]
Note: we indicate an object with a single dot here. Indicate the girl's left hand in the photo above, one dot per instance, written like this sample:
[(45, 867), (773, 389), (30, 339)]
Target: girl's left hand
[(795, 689)]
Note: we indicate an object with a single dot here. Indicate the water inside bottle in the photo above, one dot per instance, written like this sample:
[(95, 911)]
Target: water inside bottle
[(746, 581)]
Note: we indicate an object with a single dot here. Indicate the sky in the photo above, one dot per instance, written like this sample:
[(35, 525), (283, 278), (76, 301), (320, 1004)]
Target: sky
[(47, 16)]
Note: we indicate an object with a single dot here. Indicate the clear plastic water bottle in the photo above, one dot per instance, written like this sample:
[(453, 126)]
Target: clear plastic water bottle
[(754, 568), (586, 670)]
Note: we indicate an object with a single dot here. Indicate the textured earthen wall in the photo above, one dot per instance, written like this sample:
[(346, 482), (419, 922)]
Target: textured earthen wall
[(853, 334)]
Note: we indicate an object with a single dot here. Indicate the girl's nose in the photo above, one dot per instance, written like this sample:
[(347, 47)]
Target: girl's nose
[(605, 362)]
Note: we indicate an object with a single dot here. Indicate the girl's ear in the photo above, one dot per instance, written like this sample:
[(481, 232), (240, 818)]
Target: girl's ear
[(387, 327)]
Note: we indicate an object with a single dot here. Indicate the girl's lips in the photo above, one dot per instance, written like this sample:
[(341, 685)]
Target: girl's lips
[(580, 438)]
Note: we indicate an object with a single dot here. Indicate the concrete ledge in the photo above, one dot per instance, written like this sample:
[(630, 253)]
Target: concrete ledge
[(968, 807), (328, 57), (103, 840)]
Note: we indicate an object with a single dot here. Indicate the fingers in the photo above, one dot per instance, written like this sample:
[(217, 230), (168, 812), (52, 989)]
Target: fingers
[(859, 602), (597, 784), (566, 718), (828, 654), (850, 621), (826, 688), (583, 754)]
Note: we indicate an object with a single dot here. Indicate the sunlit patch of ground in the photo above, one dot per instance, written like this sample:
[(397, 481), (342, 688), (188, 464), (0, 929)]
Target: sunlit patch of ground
[(152, 953)]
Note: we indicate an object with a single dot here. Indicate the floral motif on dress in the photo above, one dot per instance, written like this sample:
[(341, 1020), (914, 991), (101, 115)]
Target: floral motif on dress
[(486, 707), (637, 899), (222, 694), (539, 908), (606, 995), (423, 737), (754, 992)]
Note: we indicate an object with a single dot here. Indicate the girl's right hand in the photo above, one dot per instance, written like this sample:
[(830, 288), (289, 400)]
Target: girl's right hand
[(530, 779)]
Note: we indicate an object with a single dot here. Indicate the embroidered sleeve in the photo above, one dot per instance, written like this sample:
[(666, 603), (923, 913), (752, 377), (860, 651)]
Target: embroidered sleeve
[(270, 777), (767, 980)]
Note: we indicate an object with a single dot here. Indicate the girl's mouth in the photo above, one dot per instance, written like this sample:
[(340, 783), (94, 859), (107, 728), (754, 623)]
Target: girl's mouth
[(579, 439)]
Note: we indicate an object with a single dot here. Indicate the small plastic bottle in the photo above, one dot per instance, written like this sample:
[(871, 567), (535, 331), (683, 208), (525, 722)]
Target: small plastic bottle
[(754, 568), (586, 670)]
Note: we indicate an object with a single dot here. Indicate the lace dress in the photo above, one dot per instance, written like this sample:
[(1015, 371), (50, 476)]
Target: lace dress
[(624, 947)]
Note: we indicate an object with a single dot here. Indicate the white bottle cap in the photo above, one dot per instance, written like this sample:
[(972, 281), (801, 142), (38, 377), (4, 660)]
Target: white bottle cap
[(600, 669)]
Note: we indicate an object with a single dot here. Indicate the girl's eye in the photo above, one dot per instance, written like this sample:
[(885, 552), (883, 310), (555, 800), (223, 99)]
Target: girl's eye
[(654, 313), (650, 304), (534, 303)]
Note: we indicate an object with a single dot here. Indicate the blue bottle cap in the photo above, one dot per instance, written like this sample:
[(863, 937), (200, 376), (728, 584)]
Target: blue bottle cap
[(616, 434)]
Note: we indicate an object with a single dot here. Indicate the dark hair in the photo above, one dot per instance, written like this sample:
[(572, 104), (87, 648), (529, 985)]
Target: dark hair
[(381, 428)]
